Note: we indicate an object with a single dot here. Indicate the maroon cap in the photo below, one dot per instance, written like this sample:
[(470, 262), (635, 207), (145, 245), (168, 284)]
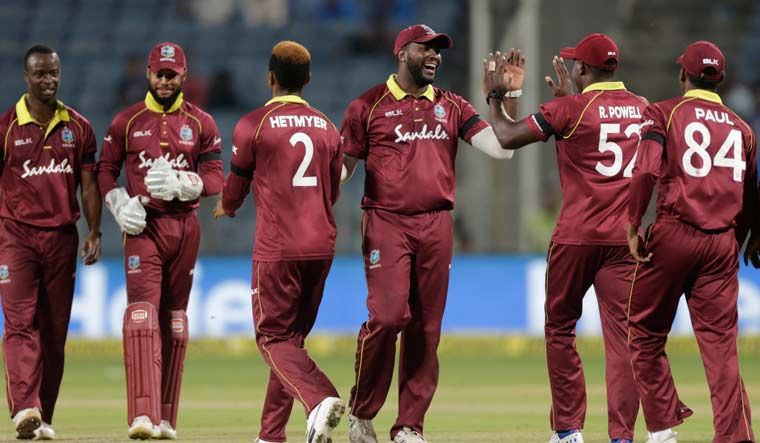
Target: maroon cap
[(420, 34), (701, 55), (167, 55), (594, 50)]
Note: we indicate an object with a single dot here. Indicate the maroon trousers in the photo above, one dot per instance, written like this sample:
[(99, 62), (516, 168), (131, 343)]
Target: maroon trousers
[(286, 297), (704, 266), (407, 260), (570, 272), (37, 270)]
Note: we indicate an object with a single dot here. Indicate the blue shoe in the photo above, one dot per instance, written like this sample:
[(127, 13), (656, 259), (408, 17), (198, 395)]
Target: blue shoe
[(621, 440)]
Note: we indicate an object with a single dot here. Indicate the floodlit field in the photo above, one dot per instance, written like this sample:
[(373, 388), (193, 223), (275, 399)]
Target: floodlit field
[(491, 390)]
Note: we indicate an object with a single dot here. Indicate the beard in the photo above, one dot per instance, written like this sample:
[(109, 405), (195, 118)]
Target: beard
[(416, 72), (166, 102)]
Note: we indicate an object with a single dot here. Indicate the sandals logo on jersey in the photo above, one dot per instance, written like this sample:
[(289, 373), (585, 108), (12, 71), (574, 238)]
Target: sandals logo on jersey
[(176, 163), (423, 134), (374, 259), (4, 274), (178, 325), (186, 134), (51, 168), (68, 137), (139, 316), (133, 263), (440, 112), (167, 52)]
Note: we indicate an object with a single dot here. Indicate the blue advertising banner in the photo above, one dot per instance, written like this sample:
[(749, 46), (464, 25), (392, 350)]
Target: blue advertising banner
[(499, 294)]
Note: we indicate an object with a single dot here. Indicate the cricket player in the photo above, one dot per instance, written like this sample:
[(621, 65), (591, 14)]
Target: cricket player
[(291, 153), (597, 134), (171, 150), (48, 151), (406, 130), (703, 157)]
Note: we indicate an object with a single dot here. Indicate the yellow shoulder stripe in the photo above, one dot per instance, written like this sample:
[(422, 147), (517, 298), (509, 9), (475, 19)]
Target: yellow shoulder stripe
[(582, 114), (261, 123), (372, 110), (673, 111), (7, 133), (129, 123)]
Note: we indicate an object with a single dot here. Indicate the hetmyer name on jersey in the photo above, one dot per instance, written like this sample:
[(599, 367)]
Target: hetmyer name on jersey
[(297, 121), (619, 112)]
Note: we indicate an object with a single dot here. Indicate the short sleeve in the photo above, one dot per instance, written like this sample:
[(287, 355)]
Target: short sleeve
[(653, 124), (556, 116), (353, 132), (470, 122), (211, 141), (89, 146), (243, 161)]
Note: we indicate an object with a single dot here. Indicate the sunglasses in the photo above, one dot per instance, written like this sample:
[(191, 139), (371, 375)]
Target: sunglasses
[(165, 75)]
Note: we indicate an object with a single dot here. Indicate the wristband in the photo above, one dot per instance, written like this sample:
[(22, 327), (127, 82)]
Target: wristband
[(513, 94), (494, 94)]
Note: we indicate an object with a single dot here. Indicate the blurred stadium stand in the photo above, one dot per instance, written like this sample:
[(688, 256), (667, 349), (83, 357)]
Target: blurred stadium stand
[(95, 37)]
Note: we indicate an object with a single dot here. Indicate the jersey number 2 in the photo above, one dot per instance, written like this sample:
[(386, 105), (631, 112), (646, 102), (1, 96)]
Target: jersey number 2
[(300, 179)]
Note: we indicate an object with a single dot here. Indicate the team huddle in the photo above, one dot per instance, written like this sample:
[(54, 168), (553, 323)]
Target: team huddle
[(613, 148)]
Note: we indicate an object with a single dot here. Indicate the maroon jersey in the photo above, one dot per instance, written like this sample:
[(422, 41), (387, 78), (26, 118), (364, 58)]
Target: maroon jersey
[(704, 157), (184, 135), (409, 145), (41, 167), (597, 135), (291, 151)]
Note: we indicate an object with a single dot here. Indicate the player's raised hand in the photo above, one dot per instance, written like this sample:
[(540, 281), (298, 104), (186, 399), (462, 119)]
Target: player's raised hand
[(495, 76), (91, 248), (563, 86), (636, 245), (515, 68), (752, 251)]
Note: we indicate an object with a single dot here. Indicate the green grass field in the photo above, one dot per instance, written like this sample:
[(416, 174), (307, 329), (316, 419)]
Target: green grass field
[(491, 390)]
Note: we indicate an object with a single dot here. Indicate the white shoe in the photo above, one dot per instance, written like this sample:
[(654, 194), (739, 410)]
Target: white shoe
[(26, 421), (408, 435), (323, 419), (258, 440), (44, 432), (142, 429), (360, 430), (664, 436), (575, 437), (167, 431)]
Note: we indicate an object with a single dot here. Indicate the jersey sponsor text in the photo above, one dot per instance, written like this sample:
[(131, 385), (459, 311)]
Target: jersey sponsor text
[(52, 168), (423, 134), (178, 163)]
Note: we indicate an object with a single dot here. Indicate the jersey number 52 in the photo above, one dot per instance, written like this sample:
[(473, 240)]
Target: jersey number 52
[(605, 145)]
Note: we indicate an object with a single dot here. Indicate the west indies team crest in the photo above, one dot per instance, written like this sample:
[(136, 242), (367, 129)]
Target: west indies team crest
[(439, 111), (4, 273), (67, 135), (133, 262), (374, 256), (186, 133), (167, 51)]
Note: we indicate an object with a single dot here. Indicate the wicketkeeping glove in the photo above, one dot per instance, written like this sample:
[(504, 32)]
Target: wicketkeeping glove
[(167, 184), (128, 212)]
